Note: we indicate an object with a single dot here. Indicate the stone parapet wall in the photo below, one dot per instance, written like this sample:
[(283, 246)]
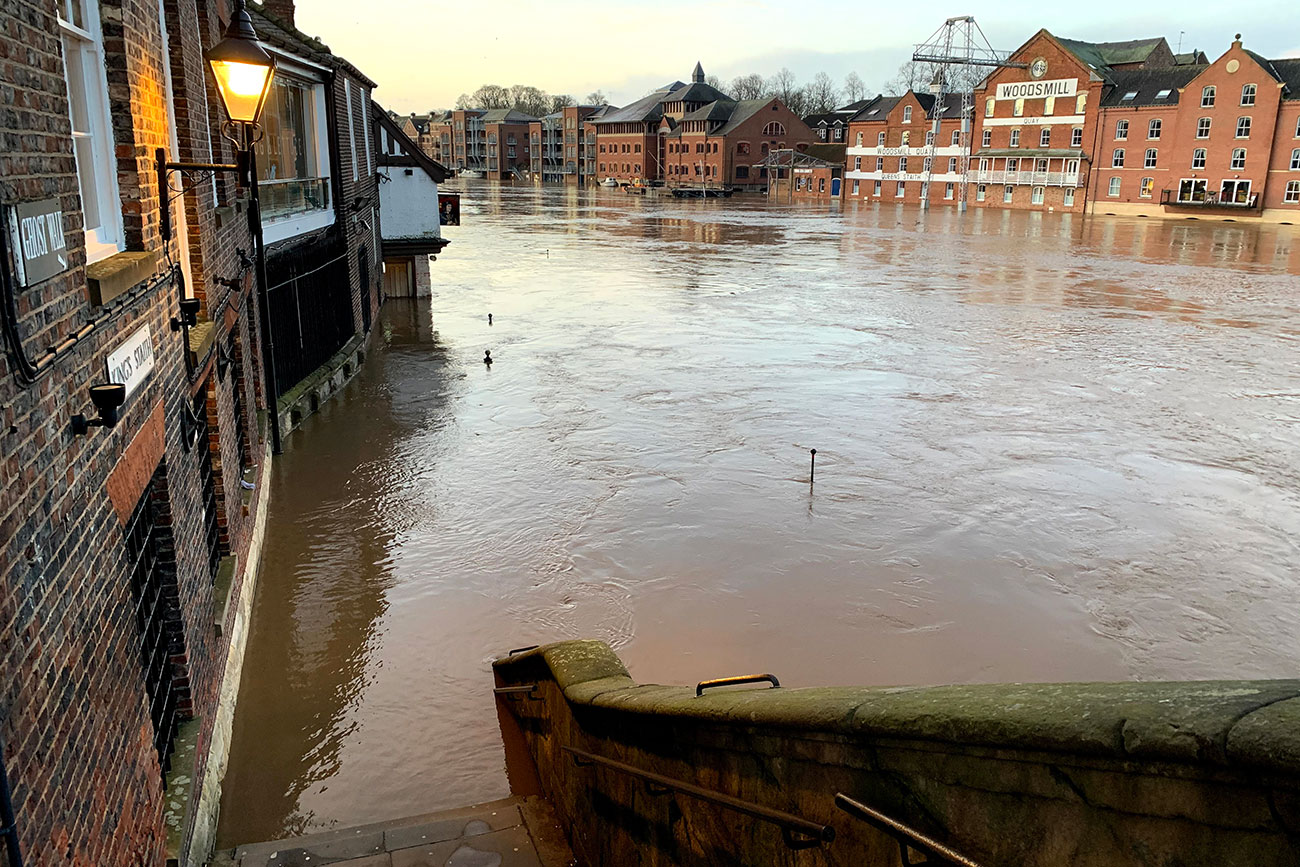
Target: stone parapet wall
[(1007, 774)]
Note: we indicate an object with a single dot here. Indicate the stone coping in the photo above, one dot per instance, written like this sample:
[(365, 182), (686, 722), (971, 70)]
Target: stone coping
[(1243, 723)]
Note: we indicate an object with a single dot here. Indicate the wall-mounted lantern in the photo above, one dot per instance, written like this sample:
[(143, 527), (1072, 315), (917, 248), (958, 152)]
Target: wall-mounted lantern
[(107, 398)]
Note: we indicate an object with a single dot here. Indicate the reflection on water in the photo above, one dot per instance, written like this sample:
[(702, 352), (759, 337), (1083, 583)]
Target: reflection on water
[(1048, 448)]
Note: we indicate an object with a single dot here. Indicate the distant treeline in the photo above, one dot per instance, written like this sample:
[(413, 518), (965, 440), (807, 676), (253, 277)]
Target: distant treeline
[(819, 95)]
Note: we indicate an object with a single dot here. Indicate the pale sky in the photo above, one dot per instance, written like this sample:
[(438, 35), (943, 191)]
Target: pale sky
[(425, 54)]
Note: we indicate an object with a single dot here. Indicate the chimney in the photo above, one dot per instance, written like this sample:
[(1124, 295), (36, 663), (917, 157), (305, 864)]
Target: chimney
[(281, 10)]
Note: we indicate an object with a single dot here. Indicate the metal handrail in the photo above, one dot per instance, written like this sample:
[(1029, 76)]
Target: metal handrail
[(904, 835), (733, 681), (528, 690), (798, 833)]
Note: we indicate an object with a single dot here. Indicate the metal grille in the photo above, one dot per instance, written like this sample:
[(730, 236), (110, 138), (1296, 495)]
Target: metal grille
[(208, 484), (237, 399), (310, 306), (367, 286), (143, 547)]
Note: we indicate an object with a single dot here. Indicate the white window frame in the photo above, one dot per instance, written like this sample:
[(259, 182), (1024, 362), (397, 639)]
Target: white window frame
[(1008, 192), (1243, 122), (1045, 137), (95, 142), (1149, 160), (1194, 183), (1154, 128), (1146, 188), (1114, 187), (1037, 195), (1207, 96), (292, 225), (986, 138), (956, 138), (1117, 158), (907, 114), (981, 192), (1203, 125), (948, 191), (1076, 137), (1068, 200), (1121, 130), (1295, 159), (1237, 162), (900, 190), (1248, 94), (855, 186), (1198, 158), (1291, 195), (1015, 137), (875, 189)]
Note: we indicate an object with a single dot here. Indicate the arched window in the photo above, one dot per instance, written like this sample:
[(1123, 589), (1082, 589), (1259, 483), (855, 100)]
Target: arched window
[(1117, 158), (1150, 161), (774, 128), (1153, 129), (1121, 130), (907, 114), (1207, 96), (1248, 94), (988, 107), (1080, 103)]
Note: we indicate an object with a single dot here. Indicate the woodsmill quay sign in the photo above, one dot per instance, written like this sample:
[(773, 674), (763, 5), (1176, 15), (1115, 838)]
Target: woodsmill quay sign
[(39, 249)]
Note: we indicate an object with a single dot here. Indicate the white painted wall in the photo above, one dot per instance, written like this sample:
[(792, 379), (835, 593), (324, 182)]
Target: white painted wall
[(408, 200)]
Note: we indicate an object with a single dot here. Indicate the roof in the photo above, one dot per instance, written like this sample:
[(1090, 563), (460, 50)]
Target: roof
[(696, 91), (876, 109), (743, 111), (1289, 70), (828, 118), (647, 108), (1264, 62), (1108, 54), (718, 110), (951, 104), (1148, 84), (410, 149), (1195, 57), (831, 153), (507, 115)]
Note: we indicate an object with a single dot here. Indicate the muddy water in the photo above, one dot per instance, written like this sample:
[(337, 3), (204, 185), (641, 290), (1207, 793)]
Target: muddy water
[(1047, 449)]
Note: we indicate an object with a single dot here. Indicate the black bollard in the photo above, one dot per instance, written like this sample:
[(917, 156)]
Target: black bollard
[(487, 357), (812, 467), (489, 319)]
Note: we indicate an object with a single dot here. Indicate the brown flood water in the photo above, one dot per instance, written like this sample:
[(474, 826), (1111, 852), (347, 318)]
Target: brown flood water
[(1049, 448)]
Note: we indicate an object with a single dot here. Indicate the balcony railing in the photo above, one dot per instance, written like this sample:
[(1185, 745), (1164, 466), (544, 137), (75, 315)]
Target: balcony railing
[(281, 198), (1038, 179), (1208, 199)]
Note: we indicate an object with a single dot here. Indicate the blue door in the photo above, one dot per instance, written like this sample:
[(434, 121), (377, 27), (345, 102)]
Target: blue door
[(835, 186)]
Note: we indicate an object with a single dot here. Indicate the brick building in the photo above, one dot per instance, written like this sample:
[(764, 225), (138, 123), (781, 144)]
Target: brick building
[(128, 551), (893, 154), (559, 144), (492, 141), (1216, 139)]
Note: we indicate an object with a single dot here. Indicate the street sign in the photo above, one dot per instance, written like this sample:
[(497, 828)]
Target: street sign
[(39, 248)]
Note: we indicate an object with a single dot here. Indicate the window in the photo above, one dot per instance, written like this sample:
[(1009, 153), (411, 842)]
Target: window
[(1295, 160), (1191, 190), (1013, 165), (1019, 108), (902, 164), (880, 139), (986, 138), (1238, 159), (821, 183), (907, 137), (948, 190), (1007, 193), (926, 164), (774, 128), (857, 164), (1149, 162), (1040, 166), (988, 107), (880, 164), (956, 138), (925, 191), (1121, 130), (1129, 96), (742, 148), (798, 185), (929, 137), (1076, 137), (855, 187), (984, 166), (1068, 201), (1243, 127), (1045, 137), (902, 188), (1207, 97), (1036, 196), (1203, 128), (1153, 129), (952, 165), (1236, 192), (1080, 103), (876, 189), (1147, 186), (1117, 158), (981, 192), (92, 134), (1248, 94), (1114, 187), (1049, 105), (1015, 138), (1198, 158), (292, 156), (858, 140), (1297, 128), (907, 114), (1163, 94), (1292, 194)]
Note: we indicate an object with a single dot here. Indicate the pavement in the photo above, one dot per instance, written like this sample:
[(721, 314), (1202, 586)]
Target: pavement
[(515, 832)]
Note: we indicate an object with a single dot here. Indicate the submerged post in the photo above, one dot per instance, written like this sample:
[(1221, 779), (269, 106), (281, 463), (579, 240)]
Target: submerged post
[(812, 466)]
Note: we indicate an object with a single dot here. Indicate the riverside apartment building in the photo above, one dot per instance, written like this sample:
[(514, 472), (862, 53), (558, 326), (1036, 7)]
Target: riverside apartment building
[(131, 516), (1111, 127)]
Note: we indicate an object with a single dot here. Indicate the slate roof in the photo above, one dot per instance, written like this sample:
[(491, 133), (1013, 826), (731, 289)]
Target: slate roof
[(876, 109), (1288, 69), (1107, 54), (1264, 62), (1191, 58), (1148, 83), (830, 118), (507, 115), (696, 91), (718, 110), (951, 107), (646, 109), (410, 150)]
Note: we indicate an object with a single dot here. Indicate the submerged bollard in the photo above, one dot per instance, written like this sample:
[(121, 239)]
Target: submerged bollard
[(489, 319), (487, 357), (812, 466)]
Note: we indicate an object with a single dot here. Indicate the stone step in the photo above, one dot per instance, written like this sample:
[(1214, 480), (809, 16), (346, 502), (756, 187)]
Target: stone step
[(514, 832)]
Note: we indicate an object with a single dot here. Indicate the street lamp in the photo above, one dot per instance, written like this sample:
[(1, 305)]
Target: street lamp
[(243, 71)]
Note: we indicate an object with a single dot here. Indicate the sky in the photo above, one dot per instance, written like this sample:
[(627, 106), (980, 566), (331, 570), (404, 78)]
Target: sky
[(424, 54)]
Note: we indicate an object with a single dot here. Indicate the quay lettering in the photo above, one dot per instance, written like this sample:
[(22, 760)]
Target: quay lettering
[(1037, 89)]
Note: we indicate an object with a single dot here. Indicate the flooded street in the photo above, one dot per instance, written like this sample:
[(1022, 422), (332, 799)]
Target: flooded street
[(1048, 448)]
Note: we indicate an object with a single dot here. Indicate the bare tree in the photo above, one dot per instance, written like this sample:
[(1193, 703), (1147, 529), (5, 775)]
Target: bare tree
[(748, 87), (918, 76), (597, 97), (491, 96), (854, 87), (529, 100), (785, 87), (713, 81), (821, 94), (560, 101), (464, 101)]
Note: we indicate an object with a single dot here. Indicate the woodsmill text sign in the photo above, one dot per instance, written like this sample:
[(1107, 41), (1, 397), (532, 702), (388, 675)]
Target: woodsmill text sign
[(39, 249), (1037, 89), (132, 361)]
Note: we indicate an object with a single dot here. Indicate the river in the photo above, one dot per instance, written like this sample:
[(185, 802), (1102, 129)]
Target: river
[(1048, 448)]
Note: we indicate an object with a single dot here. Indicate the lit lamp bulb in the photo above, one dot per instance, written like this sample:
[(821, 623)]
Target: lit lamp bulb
[(242, 68)]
